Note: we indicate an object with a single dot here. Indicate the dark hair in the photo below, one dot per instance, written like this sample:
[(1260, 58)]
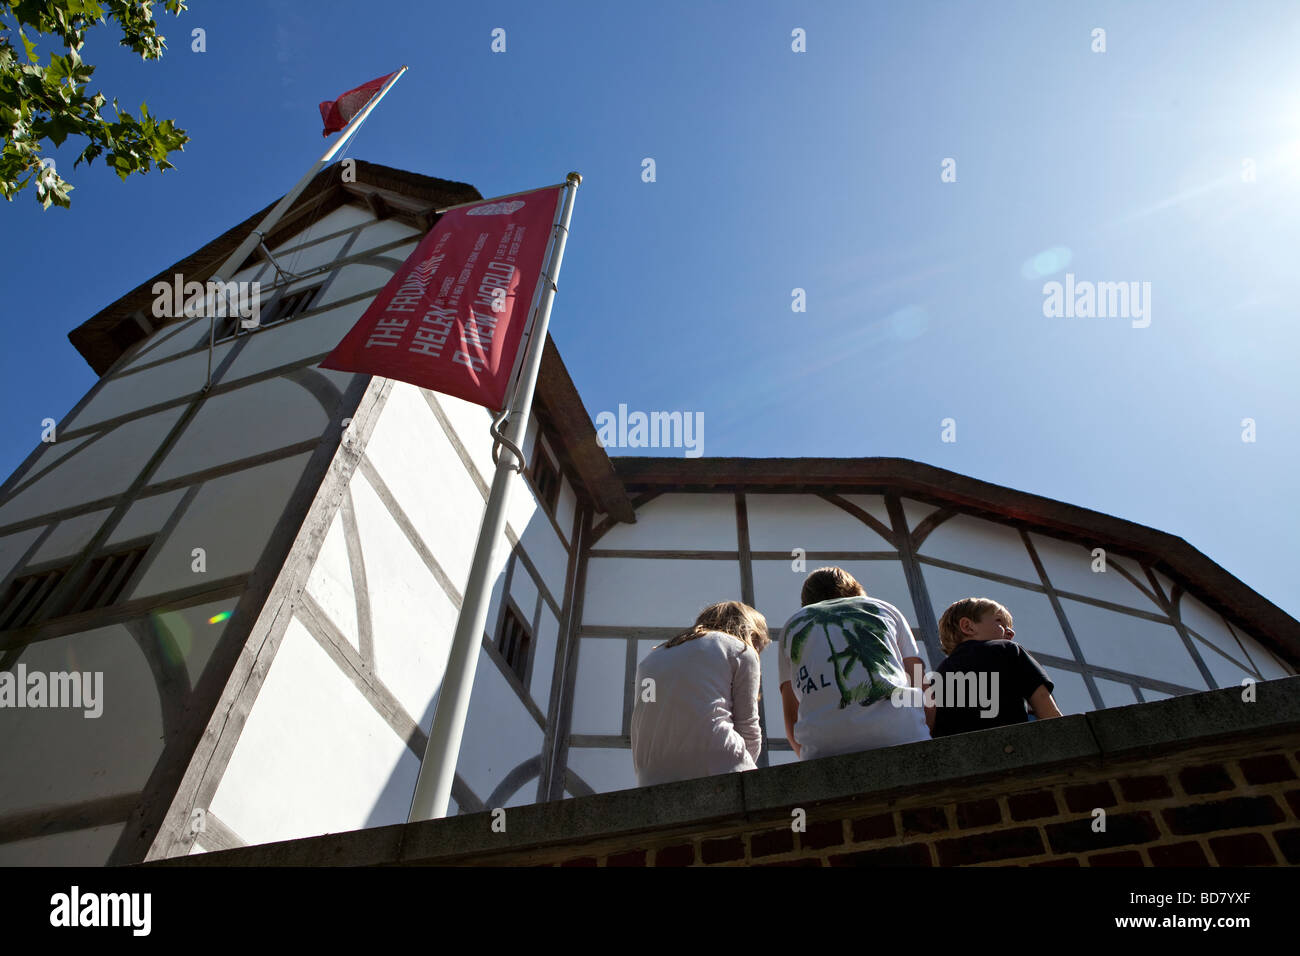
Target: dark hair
[(826, 584)]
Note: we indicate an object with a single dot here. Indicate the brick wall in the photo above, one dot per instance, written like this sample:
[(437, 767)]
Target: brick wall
[(1216, 808), (1209, 779)]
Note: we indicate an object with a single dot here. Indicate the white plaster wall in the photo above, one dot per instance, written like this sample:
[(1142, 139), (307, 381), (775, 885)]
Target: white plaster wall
[(357, 278), (499, 735), (1211, 628), (330, 582), (538, 539), (14, 546), (784, 522), (1070, 691), (106, 468), (873, 505), (524, 592), (1270, 668), (195, 632), (914, 511), (414, 457), (146, 516), (242, 423), (299, 258), (1069, 568), (66, 757), (471, 423), (648, 592), (125, 393), (566, 506), (381, 232), (231, 518), (547, 638), (598, 690), (985, 545), (1131, 644), (1035, 622), (76, 848), (1115, 694), (603, 769), (69, 536), (51, 453), (679, 522), (413, 619), (314, 757), (299, 338)]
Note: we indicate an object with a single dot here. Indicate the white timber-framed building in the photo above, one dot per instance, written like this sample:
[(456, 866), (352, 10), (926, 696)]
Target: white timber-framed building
[(279, 681)]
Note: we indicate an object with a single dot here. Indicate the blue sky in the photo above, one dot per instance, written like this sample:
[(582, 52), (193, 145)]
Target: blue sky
[(779, 170)]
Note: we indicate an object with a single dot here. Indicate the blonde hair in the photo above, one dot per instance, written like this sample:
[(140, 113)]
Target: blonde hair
[(974, 608), (826, 584), (729, 617)]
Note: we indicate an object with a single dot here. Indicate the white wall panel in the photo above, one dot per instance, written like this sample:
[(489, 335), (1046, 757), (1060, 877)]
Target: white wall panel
[(296, 339), (1035, 622), (357, 278), (303, 259), (122, 395), (1113, 693), (873, 505), (1270, 667), (566, 506), (173, 339), (231, 518), (784, 522), (1227, 672), (500, 734), (547, 637), (330, 582), (311, 732), (146, 516), (679, 522), (106, 468), (524, 593), (603, 769), (194, 632), (78, 848), (471, 423), (53, 452), (656, 592), (14, 546), (1211, 627), (598, 691), (414, 620), (66, 757), (1069, 568), (242, 423), (1131, 644), (1069, 691), (383, 231), (428, 480), (540, 542), (69, 536), (915, 512), (985, 545)]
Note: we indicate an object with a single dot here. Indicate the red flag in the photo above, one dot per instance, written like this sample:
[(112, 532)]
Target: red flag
[(452, 316), (338, 113)]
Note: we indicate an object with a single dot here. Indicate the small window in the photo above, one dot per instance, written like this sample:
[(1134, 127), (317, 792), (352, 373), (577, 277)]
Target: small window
[(104, 580), (546, 479), (280, 309), (514, 641)]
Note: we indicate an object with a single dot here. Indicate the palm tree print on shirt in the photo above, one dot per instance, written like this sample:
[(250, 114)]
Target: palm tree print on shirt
[(866, 637)]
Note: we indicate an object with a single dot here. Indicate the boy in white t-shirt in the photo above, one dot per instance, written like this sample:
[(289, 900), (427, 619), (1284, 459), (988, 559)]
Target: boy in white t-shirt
[(841, 657)]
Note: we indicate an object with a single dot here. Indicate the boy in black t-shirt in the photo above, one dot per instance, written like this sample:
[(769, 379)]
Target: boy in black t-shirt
[(987, 678)]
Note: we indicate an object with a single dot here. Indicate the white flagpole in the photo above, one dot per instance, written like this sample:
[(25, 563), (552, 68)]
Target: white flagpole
[(227, 269), (438, 768)]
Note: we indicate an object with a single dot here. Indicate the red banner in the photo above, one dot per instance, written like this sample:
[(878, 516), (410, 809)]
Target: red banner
[(451, 318)]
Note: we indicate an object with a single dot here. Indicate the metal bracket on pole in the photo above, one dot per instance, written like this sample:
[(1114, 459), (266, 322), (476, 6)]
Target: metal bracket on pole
[(521, 462), (280, 274)]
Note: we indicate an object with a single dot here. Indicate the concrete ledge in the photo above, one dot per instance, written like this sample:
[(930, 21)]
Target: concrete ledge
[(1026, 752)]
